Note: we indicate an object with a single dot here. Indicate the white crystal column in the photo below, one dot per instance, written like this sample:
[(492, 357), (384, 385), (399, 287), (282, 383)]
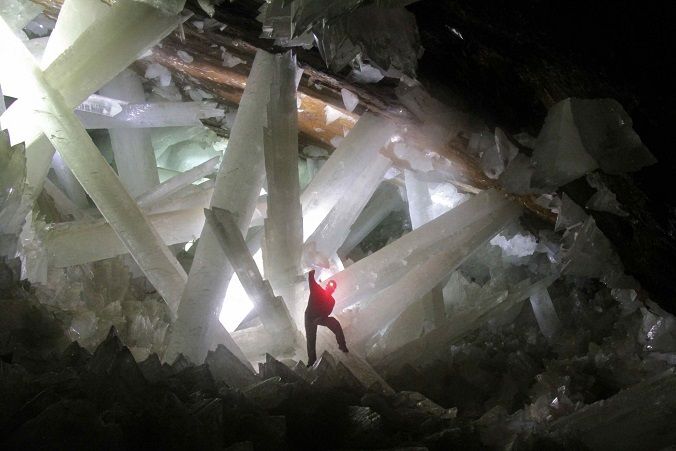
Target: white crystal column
[(177, 182), (420, 213), (341, 170), (545, 314), (60, 125), (391, 301), (133, 150), (385, 200), (79, 242), (271, 310), (238, 185), (284, 222), (384, 267), (334, 229)]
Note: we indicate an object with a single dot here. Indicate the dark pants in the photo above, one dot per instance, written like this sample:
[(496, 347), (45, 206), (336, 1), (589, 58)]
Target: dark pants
[(311, 323)]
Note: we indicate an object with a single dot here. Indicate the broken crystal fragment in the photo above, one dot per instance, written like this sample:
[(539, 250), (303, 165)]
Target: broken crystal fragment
[(160, 72), (560, 156), (350, 99), (570, 214), (603, 199), (545, 314), (607, 134)]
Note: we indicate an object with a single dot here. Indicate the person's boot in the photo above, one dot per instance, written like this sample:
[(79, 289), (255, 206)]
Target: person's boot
[(343, 348)]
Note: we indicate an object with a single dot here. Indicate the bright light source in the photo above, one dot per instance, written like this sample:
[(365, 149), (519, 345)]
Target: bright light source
[(237, 304)]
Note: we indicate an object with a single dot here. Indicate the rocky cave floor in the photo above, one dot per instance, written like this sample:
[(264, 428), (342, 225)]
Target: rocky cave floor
[(503, 385)]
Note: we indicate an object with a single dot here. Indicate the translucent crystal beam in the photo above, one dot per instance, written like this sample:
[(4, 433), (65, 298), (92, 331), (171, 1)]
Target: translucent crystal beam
[(75, 146), (271, 310), (284, 222), (133, 150), (384, 267), (177, 182), (347, 162), (79, 242), (103, 49), (385, 200), (238, 185), (545, 314), (151, 115), (334, 229), (389, 303)]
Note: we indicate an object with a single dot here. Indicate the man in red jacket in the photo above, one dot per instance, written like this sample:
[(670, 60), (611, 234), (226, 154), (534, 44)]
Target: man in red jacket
[(319, 307)]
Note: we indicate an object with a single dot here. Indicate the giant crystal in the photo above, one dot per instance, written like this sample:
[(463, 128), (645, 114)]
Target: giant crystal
[(359, 149), (238, 185), (65, 132), (284, 222)]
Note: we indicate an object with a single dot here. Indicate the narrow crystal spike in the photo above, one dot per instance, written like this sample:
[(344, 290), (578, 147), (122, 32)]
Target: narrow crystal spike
[(133, 150), (238, 184), (60, 125)]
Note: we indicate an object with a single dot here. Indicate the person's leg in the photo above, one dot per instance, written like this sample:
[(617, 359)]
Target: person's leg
[(333, 324), (311, 337)]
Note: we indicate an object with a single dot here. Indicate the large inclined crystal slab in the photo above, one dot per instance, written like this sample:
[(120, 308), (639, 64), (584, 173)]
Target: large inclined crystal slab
[(545, 313), (60, 125), (607, 134), (68, 182), (133, 150), (271, 310), (639, 417), (385, 200), (238, 185), (332, 232), (371, 274), (76, 243), (284, 222), (560, 155), (417, 282), (150, 115), (435, 344), (355, 152), (178, 182)]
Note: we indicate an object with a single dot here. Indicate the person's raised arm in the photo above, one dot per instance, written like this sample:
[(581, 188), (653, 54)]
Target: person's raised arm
[(311, 280)]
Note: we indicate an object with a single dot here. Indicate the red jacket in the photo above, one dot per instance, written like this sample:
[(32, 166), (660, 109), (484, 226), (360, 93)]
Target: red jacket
[(320, 302)]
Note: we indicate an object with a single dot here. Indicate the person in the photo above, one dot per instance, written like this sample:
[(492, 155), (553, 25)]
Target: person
[(319, 307)]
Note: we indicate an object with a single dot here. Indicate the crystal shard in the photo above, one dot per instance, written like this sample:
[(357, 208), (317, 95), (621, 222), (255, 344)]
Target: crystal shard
[(560, 156), (545, 314)]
